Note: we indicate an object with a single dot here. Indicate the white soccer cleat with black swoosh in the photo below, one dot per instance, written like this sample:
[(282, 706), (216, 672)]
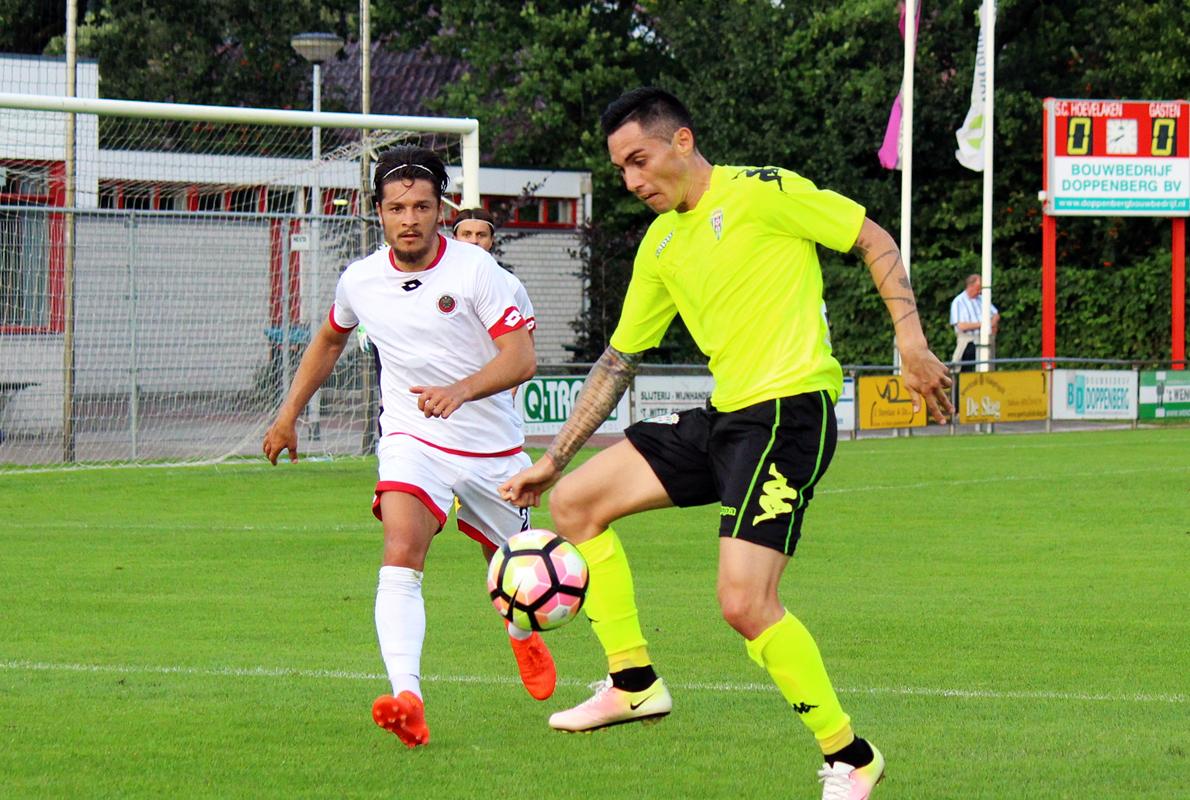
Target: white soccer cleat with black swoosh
[(612, 706)]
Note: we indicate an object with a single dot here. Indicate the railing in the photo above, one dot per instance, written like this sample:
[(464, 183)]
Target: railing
[(1015, 392)]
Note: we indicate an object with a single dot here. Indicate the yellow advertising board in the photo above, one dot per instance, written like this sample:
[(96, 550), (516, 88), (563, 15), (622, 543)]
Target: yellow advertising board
[(1003, 396), (882, 401)]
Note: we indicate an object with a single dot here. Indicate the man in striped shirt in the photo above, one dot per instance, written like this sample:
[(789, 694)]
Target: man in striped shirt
[(965, 313)]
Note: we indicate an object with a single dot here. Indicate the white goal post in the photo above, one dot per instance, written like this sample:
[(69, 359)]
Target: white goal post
[(466, 128), (157, 289)]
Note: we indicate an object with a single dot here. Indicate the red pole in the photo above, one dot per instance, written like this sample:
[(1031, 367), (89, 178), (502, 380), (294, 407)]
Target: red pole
[(1049, 286), (1178, 350)]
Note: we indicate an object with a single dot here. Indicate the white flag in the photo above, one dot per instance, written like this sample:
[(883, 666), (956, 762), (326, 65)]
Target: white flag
[(971, 135)]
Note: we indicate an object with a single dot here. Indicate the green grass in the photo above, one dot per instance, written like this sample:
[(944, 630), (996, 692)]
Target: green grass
[(1006, 616)]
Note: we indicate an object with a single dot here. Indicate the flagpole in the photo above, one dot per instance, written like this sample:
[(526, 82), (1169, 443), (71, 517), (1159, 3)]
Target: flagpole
[(906, 148), (988, 30)]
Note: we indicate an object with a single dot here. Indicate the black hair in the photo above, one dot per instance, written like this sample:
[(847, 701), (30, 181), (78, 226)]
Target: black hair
[(655, 110), (481, 214), (406, 163)]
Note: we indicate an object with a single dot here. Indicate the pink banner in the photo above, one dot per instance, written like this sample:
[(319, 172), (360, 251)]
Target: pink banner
[(890, 150)]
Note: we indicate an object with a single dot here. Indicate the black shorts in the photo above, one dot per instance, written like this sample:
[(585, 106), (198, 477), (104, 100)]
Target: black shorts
[(759, 463)]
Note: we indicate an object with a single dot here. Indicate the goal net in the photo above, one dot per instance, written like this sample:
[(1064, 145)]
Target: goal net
[(157, 291)]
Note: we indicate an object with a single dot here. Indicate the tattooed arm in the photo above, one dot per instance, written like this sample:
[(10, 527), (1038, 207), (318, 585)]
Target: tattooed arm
[(924, 375), (602, 390)]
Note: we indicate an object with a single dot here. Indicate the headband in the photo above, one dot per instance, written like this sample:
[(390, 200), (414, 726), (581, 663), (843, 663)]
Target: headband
[(403, 166), (454, 228)]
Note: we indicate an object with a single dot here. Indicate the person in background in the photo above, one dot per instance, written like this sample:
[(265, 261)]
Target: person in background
[(965, 313)]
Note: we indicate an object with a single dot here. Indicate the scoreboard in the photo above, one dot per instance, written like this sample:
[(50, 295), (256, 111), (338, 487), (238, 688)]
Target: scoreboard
[(1117, 158)]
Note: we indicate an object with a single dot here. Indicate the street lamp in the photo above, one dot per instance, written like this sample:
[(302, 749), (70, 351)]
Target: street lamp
[(315, 48)]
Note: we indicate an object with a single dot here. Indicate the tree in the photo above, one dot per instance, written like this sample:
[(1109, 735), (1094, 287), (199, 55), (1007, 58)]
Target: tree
[(214, 52), (28, 27), (805, 85)]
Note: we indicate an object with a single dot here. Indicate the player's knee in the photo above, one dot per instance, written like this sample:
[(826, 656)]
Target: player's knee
[(746, 612), (571, 511), (401, 552)]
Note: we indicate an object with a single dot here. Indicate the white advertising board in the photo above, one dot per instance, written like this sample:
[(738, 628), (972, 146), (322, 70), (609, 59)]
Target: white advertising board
[(1094, 394), (845, 408), (658, 395)]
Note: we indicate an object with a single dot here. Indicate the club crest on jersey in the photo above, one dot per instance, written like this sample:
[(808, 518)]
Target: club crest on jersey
[(717, 223), (447, 304)]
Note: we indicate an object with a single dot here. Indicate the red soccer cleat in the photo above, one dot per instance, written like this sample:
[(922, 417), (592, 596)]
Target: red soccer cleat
[(403, 715), (536, 665)]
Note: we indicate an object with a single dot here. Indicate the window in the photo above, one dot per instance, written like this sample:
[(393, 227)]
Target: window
[(281, 201), (341, 202), (534, 212), (30, 248), (561, 212), (174, 198), (529, 213), (165, 196), (140, 199), (245, 201), (210, 201)]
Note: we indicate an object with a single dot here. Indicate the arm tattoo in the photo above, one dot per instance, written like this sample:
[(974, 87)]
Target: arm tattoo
[(605, 385), (896, 257), (895, 269)]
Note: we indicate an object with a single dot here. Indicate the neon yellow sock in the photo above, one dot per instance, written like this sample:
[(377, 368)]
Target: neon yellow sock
[(628, 659), (611, 604), (788, 652)]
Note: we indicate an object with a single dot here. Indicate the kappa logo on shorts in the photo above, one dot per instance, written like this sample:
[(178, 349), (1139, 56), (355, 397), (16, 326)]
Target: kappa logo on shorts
[(776, 497), (664, 419), (446, 304)]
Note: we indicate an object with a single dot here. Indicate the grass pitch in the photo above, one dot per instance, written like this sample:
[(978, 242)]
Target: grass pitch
[(1005, 616)]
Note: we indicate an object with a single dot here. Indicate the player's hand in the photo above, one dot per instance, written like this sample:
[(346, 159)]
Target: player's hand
[(440, 401), (281, 436), (526, 487), (927, 377)]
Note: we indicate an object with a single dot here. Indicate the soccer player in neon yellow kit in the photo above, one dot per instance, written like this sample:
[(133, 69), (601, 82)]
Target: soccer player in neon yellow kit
[(733, 251)]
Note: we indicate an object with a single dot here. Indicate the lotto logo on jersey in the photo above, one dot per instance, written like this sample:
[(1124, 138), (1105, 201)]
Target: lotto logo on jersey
[(447, 304), (511, 318)]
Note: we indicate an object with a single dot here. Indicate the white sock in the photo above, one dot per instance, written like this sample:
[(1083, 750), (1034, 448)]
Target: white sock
[(520, 634), (401, 626)]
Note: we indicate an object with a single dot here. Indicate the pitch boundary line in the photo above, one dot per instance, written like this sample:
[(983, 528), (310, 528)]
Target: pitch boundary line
[(697, 686)]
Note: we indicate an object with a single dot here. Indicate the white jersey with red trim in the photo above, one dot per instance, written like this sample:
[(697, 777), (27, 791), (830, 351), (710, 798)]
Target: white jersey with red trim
[(433, 328), (521, 296)]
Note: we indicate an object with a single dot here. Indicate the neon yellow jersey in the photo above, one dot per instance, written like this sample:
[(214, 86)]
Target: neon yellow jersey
[(742, 270)]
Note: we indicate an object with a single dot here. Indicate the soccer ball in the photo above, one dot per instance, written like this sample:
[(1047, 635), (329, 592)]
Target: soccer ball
[(537, 580)]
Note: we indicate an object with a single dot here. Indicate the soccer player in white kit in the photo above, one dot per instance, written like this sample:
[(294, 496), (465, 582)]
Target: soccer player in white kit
[(450, 343)]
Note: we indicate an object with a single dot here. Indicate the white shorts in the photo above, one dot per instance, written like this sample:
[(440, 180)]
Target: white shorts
[(436, 478)]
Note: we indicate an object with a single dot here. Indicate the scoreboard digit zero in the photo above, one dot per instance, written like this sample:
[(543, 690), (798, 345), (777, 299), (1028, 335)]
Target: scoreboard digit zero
[(1117, 158)]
